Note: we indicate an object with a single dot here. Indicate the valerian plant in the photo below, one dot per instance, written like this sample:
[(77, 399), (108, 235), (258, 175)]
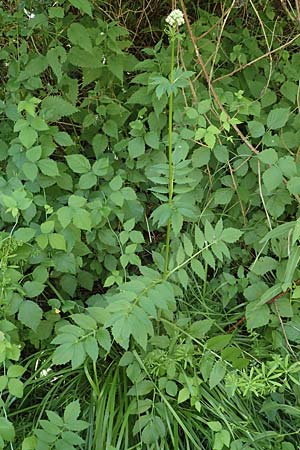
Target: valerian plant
[(148, 213)]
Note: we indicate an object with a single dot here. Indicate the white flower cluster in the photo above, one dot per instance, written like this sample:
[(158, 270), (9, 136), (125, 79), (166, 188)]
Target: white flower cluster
[(175, 18)]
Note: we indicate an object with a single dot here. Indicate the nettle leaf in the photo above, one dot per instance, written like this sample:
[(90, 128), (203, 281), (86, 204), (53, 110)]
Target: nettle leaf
[(30, 314), (277, 118), (78, 35), (54, 108), (78, 163), (83, 6)]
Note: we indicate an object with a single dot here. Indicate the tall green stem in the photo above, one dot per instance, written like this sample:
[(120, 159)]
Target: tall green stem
[(170, 158)]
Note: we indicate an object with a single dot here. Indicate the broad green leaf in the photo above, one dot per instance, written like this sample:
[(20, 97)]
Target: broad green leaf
[(63, 353), (54, 108), (217, 374), (29, 443), (231, 235), (91, 347), (7, 431), (293, 185), (15, 371), (78, 163), (183, 395), (48, 167), (256, 128), (33, 288), (23, 234), (83, 6), (28, 136), (104, 339), (30, 314), (57, 241), (65, 263), (152, 139), (272, 178), (136, 147), (257, 316), (289, 90), (87, 180), (15, 387), (292, 265), (64, 215), (277, 118), (82, 219), (33, 154), (84, 321), (217, 343), (62, 138), (72, 412), (268, 156), (78, 35)]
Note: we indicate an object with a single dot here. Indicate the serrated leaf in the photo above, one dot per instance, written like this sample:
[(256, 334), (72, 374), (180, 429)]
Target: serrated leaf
[(7, 431), (30, 314), (268, 156), (272, 178), (78, 163), (48, 167), (57, 241), (256, 128), (54, 108), (217, 374), (136, 147), (78, 35), (277, 118), (33, 288), (91, 347), (83, 6), (15, 387), (231, 235), (257, 316), (28, 136)]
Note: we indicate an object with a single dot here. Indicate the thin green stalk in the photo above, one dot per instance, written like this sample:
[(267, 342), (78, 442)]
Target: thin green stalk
[(170, 157)]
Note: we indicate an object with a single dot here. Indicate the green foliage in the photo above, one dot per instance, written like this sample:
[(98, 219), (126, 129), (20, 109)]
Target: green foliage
[(146, 217)]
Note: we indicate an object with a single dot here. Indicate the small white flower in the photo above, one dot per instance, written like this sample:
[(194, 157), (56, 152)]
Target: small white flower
[(30, 15), (175, 18), (103, 60)]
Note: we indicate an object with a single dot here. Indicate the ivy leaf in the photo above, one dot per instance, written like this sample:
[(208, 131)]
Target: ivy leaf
[(30, 314)]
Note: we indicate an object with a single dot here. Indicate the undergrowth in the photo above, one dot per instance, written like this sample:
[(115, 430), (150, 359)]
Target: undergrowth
[(149, 225)]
